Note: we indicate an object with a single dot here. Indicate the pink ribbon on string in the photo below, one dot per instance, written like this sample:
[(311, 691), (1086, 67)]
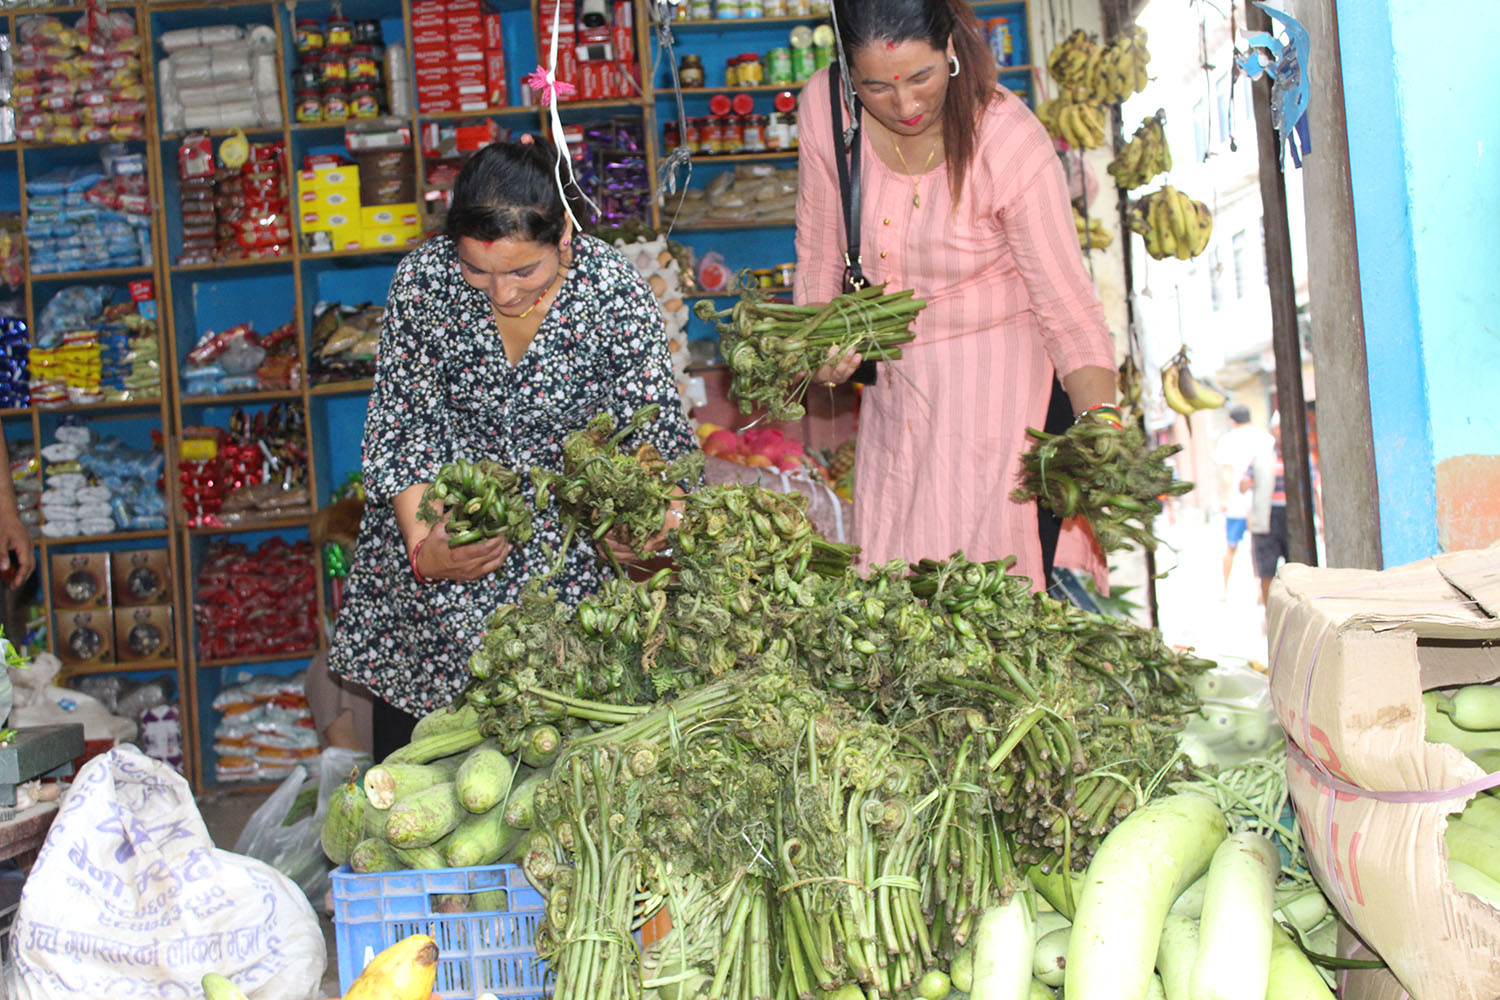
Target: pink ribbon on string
[(546, 88)]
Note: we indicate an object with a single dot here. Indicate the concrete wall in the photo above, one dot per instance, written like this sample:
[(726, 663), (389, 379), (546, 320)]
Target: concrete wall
[(1423, 141)]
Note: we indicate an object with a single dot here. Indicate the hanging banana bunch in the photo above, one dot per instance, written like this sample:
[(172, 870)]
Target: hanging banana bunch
[(1080, 124), (1120, 69), (1172, 224), (1130, 384), (1074, 61), (1145, 156), (1091, 232), (1184, 391)]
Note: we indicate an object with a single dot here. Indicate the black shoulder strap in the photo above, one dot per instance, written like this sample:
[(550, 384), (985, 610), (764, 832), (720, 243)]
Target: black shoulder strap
[(848, 164)]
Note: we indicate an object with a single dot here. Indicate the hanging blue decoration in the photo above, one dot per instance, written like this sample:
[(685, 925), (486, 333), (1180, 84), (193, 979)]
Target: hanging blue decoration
[(1291, 79)]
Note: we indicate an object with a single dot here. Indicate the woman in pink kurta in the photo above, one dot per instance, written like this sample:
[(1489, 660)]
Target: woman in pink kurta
[(1008, 300)]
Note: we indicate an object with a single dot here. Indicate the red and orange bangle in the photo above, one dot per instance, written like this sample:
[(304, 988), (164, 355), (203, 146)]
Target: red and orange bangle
[(414, 571), (1107, 412)]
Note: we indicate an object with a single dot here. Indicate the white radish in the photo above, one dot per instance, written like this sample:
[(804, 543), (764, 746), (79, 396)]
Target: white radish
[(1291, 975), (1051, 957), (1190, 903), (1234, 933), (1176, 954), (1139, 869), (1004, 942)]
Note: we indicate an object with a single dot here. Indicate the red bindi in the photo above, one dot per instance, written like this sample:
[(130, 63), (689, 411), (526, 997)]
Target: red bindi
[(890, 46), (897, 77)]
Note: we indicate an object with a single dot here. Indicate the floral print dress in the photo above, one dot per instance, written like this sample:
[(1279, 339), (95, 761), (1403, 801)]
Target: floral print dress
[(444, 390)]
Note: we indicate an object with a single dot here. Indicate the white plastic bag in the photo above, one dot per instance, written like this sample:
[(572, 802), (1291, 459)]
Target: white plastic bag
[(285, 832), (130, 898)]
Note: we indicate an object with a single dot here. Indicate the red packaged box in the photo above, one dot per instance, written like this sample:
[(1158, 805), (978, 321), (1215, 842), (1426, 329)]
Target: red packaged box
[(463, 7), (142, 291), (432, 76), (591, 81), (469, 48), (494, 31), (624, 14), (623, 39), (595, 36), (435, 40), (567, 70), (431, 59), (424, 8), (469, 80), (494, 74), (432, 104), (467, 27)]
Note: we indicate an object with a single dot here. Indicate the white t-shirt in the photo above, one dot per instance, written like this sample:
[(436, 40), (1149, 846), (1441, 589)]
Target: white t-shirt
[(1234, 453)]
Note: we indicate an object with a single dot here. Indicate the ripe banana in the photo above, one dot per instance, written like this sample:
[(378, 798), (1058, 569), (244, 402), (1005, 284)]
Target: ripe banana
[(1091, 233), (1070, 60), (1129, 382), (1079, 124), (216, 987), (1184, 392), (1120, 69), (404, 971)]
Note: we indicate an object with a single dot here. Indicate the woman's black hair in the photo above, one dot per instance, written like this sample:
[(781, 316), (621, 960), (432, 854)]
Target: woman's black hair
[(507, 189), (936, 22)]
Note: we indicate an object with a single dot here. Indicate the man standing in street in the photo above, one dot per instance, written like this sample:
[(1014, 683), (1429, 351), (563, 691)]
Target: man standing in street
[(1236, 450)]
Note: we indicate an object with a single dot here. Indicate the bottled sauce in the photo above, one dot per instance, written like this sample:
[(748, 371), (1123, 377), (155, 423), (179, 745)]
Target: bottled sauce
[(711, 135), (781, 125), (692, 135), (690, 71), (363, 68), (732, 135), (754, 135), (308, 38), (363, 101), (671, 136), (309, 106), (339, 31), (751, 73)]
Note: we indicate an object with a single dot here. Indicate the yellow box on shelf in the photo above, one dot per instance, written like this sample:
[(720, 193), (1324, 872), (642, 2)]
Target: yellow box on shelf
[(399, 235), (382, 216), (323, 220), (348, 237)]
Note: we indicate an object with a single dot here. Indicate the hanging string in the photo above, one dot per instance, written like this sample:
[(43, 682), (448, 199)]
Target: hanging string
[(679, 159), (848, 88), (548, 89)]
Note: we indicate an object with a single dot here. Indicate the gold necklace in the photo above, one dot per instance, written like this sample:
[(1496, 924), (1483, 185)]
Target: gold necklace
[(916, 198), (540, 297)]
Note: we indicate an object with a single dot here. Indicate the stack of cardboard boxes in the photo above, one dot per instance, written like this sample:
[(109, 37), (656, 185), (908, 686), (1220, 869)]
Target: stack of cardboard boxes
[(113, 607), (595, 53), (335, 216), (459, 51)]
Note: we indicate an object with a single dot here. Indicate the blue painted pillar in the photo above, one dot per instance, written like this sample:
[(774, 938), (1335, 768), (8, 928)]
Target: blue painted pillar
[(1424, 158)]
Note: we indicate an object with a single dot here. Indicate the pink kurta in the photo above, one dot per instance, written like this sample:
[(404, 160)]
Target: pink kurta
[(1008, 300)]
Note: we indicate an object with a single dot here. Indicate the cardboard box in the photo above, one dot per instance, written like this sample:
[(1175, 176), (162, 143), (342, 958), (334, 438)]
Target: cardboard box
[(85, 636), (144, 634), (469, 80), (1351, 653), (348, 237), (494, 32), (80, 580), (428, 60), (141, 576), (623, 40), (494, 74), (591, 85), (379, 216), (391, 236), (326, 221)]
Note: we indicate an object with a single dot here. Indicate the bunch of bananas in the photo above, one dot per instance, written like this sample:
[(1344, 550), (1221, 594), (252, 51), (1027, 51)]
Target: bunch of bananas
[(1091, 232), (1172, 223), (1081, 124), (1144, 156), (1120, 68), (1129, 383), (1184, 391), (1074, 61)]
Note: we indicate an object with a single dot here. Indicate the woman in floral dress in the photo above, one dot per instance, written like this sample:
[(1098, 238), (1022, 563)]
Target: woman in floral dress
[(502, 336)]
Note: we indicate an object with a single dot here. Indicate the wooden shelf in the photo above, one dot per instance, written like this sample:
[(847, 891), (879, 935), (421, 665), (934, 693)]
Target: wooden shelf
[(353, 387), (306, 255), (771, 154), (113, 536), (108, 404), (268, 524), (742, 23), (760, 88), (242, 661), (231, 398), (220, 265), (613, 102), (513, 109), (80, 669), (221, 133), (96, 275)]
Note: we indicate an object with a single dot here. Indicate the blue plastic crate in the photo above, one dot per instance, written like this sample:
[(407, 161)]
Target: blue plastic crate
[(478, 952)]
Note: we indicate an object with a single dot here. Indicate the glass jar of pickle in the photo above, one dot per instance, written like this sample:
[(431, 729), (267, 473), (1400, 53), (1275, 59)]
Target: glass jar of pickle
[(732, 138), (309, 106), (333, 67), (363, 101), (363, 66), (690, 71), (754, 139), (308, 38), (692, 135), (340, 32), (711, 135), (671, 136), (335, 105), (751, 72)]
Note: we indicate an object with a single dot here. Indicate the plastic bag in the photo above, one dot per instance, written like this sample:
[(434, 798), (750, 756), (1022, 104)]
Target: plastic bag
[(129, 897), (1237, 721), (284, 831)]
